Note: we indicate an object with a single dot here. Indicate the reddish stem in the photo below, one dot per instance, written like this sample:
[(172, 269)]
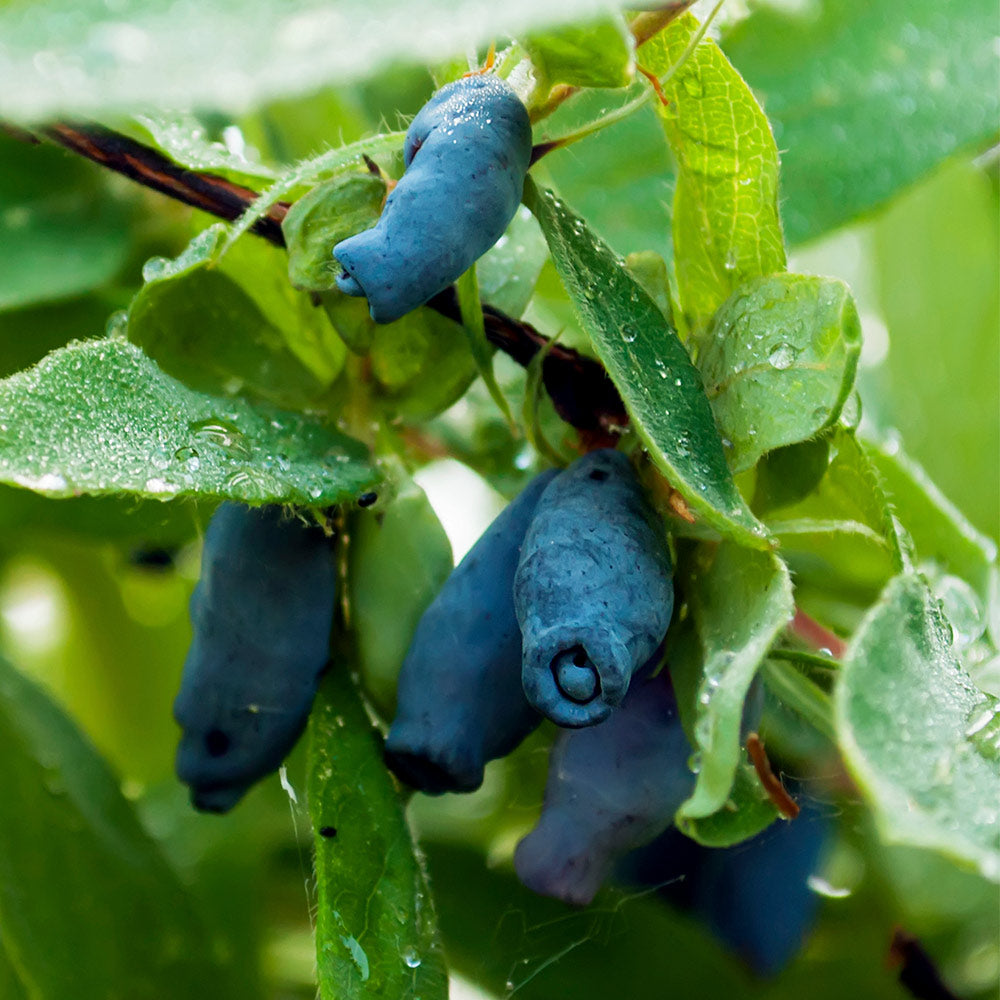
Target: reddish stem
[(817, 636)]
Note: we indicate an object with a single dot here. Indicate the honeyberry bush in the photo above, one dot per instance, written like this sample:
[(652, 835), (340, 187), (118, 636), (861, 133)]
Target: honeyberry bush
[(787, 269)]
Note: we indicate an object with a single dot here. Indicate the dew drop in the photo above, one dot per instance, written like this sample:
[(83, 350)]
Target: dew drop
[(117, 325), (154, 268), (782, 357)]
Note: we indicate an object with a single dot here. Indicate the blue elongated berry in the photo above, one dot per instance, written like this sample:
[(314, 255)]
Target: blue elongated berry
[(593, 590), (459, 699), (262, 613), (754, 897), (466, 155), (611, 788)]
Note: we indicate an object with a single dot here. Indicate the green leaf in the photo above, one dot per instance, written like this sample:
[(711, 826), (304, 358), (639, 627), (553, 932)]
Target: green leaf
[(317, 221), (939, 529), (650, 270), (788, 475), (637, 218), (746, 811), (598, 54), (235, 326), (921, 741), (182, 137), (509, 270), (842, 536), (662, 390), (309, 171), (799, 692), (422, 363), (467, 289), (61, 232), (12, 986), (399, 558), (376, 932), (865, 97), (78, 57), (779, 360), (725, 219), (76, 866), (740, 600), (27, 335), (100, 417)]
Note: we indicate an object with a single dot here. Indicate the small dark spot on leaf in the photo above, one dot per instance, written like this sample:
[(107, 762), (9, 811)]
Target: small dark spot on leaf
[(328, 831), (367, 499)]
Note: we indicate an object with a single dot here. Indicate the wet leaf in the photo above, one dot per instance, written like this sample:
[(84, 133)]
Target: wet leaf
[(661, 388), (376, 931), (919, 738), (317, 221), (76, 866), (939, 529), (746, 811), (725, 220), (235, 326), (100, 417), (740, 601), (779, 360), (865, 97)]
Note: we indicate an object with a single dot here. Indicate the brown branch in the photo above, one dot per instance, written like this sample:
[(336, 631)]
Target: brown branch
[(581, 391), (152, 169)]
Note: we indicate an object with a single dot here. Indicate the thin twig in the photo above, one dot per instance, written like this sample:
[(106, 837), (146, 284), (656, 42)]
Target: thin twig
[(152, 169), (776, 791)]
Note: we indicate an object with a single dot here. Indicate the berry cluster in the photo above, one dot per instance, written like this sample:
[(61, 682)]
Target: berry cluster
[(559, 611)]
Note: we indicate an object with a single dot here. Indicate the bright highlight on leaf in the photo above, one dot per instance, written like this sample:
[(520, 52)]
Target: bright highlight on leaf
[(100, 417)]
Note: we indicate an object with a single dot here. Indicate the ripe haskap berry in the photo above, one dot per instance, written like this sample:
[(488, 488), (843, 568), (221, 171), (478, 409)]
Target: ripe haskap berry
[(611, 788), (593, 591), (262, 613), (459, 699), (755, 896), (466, 155)]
